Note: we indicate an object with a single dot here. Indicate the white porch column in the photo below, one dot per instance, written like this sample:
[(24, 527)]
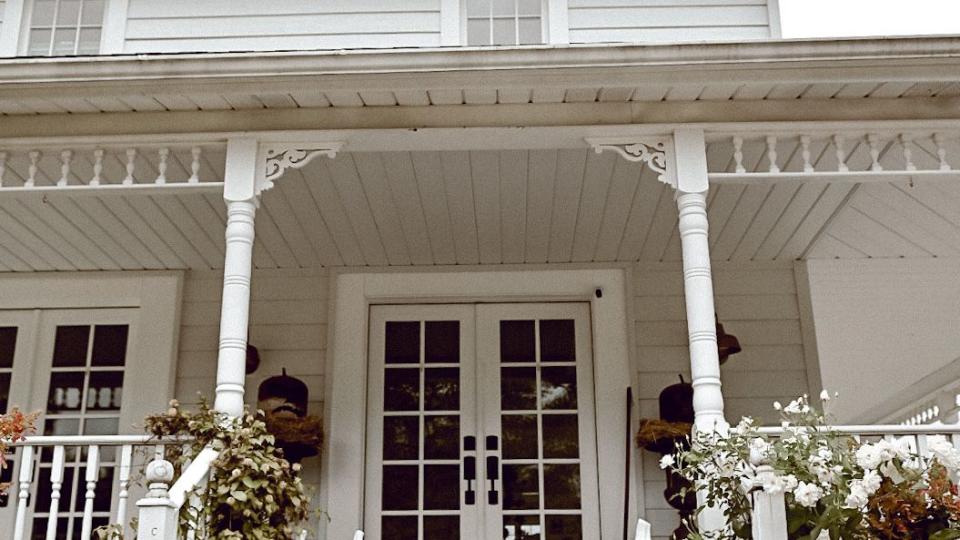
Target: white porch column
[(692, 186), (240, 195)]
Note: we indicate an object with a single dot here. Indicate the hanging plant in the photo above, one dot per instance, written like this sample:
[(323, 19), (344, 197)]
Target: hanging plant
[(254, 491), (13, 426)]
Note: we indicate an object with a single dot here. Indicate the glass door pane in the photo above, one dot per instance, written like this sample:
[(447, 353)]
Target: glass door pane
[(421, 423), (538, 400)]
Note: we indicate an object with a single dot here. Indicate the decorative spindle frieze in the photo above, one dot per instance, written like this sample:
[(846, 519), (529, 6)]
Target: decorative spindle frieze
[(104, 167), (847, 155)]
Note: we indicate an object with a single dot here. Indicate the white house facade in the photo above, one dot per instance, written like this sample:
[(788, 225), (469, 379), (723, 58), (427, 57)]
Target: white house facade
[(473, 228)]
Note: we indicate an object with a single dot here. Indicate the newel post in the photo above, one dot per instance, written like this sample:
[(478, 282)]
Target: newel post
[(240, 192), (158, 514)]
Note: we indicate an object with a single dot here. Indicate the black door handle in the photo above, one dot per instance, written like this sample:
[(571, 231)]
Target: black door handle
[(469, 469), (493, 470)]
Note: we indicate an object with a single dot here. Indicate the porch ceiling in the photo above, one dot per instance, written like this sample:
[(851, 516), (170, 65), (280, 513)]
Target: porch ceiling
[(478, 207)]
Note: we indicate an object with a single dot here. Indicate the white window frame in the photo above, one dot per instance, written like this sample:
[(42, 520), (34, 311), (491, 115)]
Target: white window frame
[(343, 458), (155, 295), (15, 29), (555, 26)]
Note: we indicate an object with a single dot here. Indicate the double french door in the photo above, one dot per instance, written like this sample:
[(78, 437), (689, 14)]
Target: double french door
[(481, 423)]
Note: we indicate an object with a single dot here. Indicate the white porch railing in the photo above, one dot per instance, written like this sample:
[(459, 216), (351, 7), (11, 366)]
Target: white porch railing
[(769, 510), (63, 462)]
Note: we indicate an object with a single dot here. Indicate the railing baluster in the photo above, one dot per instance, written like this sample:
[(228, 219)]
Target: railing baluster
[(195, 165), (56, 481), (34, 156), (97, 167), (23, 493), (841, 154), (905, 142), (772, 154), (66, 156), (131, 166), (941, 151), (163, 154), (738, 154), (873, 141), (805, 143), (126, 458), (92, 473)]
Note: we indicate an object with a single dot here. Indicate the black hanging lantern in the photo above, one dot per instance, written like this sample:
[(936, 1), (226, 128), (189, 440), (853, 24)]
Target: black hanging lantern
[(283, 396), (253, 359)]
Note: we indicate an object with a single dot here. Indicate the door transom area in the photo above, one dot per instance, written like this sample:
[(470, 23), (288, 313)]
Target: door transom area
[(481, 423)]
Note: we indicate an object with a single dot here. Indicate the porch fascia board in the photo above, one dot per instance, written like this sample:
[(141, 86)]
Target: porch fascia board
[(817, 60)]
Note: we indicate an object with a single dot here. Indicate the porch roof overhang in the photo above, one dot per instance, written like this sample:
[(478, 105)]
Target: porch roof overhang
[(917, 77)]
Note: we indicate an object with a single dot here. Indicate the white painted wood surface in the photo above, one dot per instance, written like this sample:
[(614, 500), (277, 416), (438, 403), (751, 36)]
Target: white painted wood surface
[(247, 25), (667, 20)]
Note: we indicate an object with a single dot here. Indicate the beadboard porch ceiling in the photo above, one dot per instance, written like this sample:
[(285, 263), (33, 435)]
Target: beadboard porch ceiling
[(478, 207)]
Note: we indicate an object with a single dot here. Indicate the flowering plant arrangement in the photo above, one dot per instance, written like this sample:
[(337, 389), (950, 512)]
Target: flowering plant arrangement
[(13, 426), (834, 485)]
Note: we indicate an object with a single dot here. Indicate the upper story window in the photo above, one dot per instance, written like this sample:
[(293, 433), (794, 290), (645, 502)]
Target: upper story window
[(65, 27), (504, 22)]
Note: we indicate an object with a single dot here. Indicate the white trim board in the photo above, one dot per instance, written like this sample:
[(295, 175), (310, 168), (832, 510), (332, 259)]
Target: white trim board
[(353, 293)]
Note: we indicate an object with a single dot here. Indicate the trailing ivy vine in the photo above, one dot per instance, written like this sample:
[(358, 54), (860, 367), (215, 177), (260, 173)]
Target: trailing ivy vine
[(253, 493)]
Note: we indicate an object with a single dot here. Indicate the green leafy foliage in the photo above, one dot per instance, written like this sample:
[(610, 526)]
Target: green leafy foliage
[(253, 493)]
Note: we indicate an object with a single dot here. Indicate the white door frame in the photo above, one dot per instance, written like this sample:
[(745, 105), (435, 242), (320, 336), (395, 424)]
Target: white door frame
[(345, 399)]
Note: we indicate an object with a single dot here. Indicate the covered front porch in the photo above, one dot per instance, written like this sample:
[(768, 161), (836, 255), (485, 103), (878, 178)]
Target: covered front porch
[(658, 229)]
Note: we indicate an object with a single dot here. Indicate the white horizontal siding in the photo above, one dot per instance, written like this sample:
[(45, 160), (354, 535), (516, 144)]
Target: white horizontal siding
[(249, 25), (756, 303), (594, 21)]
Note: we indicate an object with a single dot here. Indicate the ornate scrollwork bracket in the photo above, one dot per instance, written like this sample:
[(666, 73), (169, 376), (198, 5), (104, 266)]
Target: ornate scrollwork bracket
[(278, 157), (654, 152)]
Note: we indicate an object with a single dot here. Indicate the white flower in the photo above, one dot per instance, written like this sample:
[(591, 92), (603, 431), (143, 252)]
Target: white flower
[(789, 483), (667, 461), (858, 496), (794, 407), (824, 395), (944, 452), (777, 406), (807, 494), (871, 482), (868, 456)]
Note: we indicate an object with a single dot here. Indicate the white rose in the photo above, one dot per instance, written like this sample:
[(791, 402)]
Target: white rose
[(858, 496), (868, 456), (824, 395), (871, 482), (667, 461), (807, 494)]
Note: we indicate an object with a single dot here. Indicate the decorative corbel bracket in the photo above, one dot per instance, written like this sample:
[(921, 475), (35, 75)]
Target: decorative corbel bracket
[(654, 152), (278, 157)]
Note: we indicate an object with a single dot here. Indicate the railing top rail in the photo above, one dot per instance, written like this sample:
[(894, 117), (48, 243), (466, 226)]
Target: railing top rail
[(881, 430), (101, 440)]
